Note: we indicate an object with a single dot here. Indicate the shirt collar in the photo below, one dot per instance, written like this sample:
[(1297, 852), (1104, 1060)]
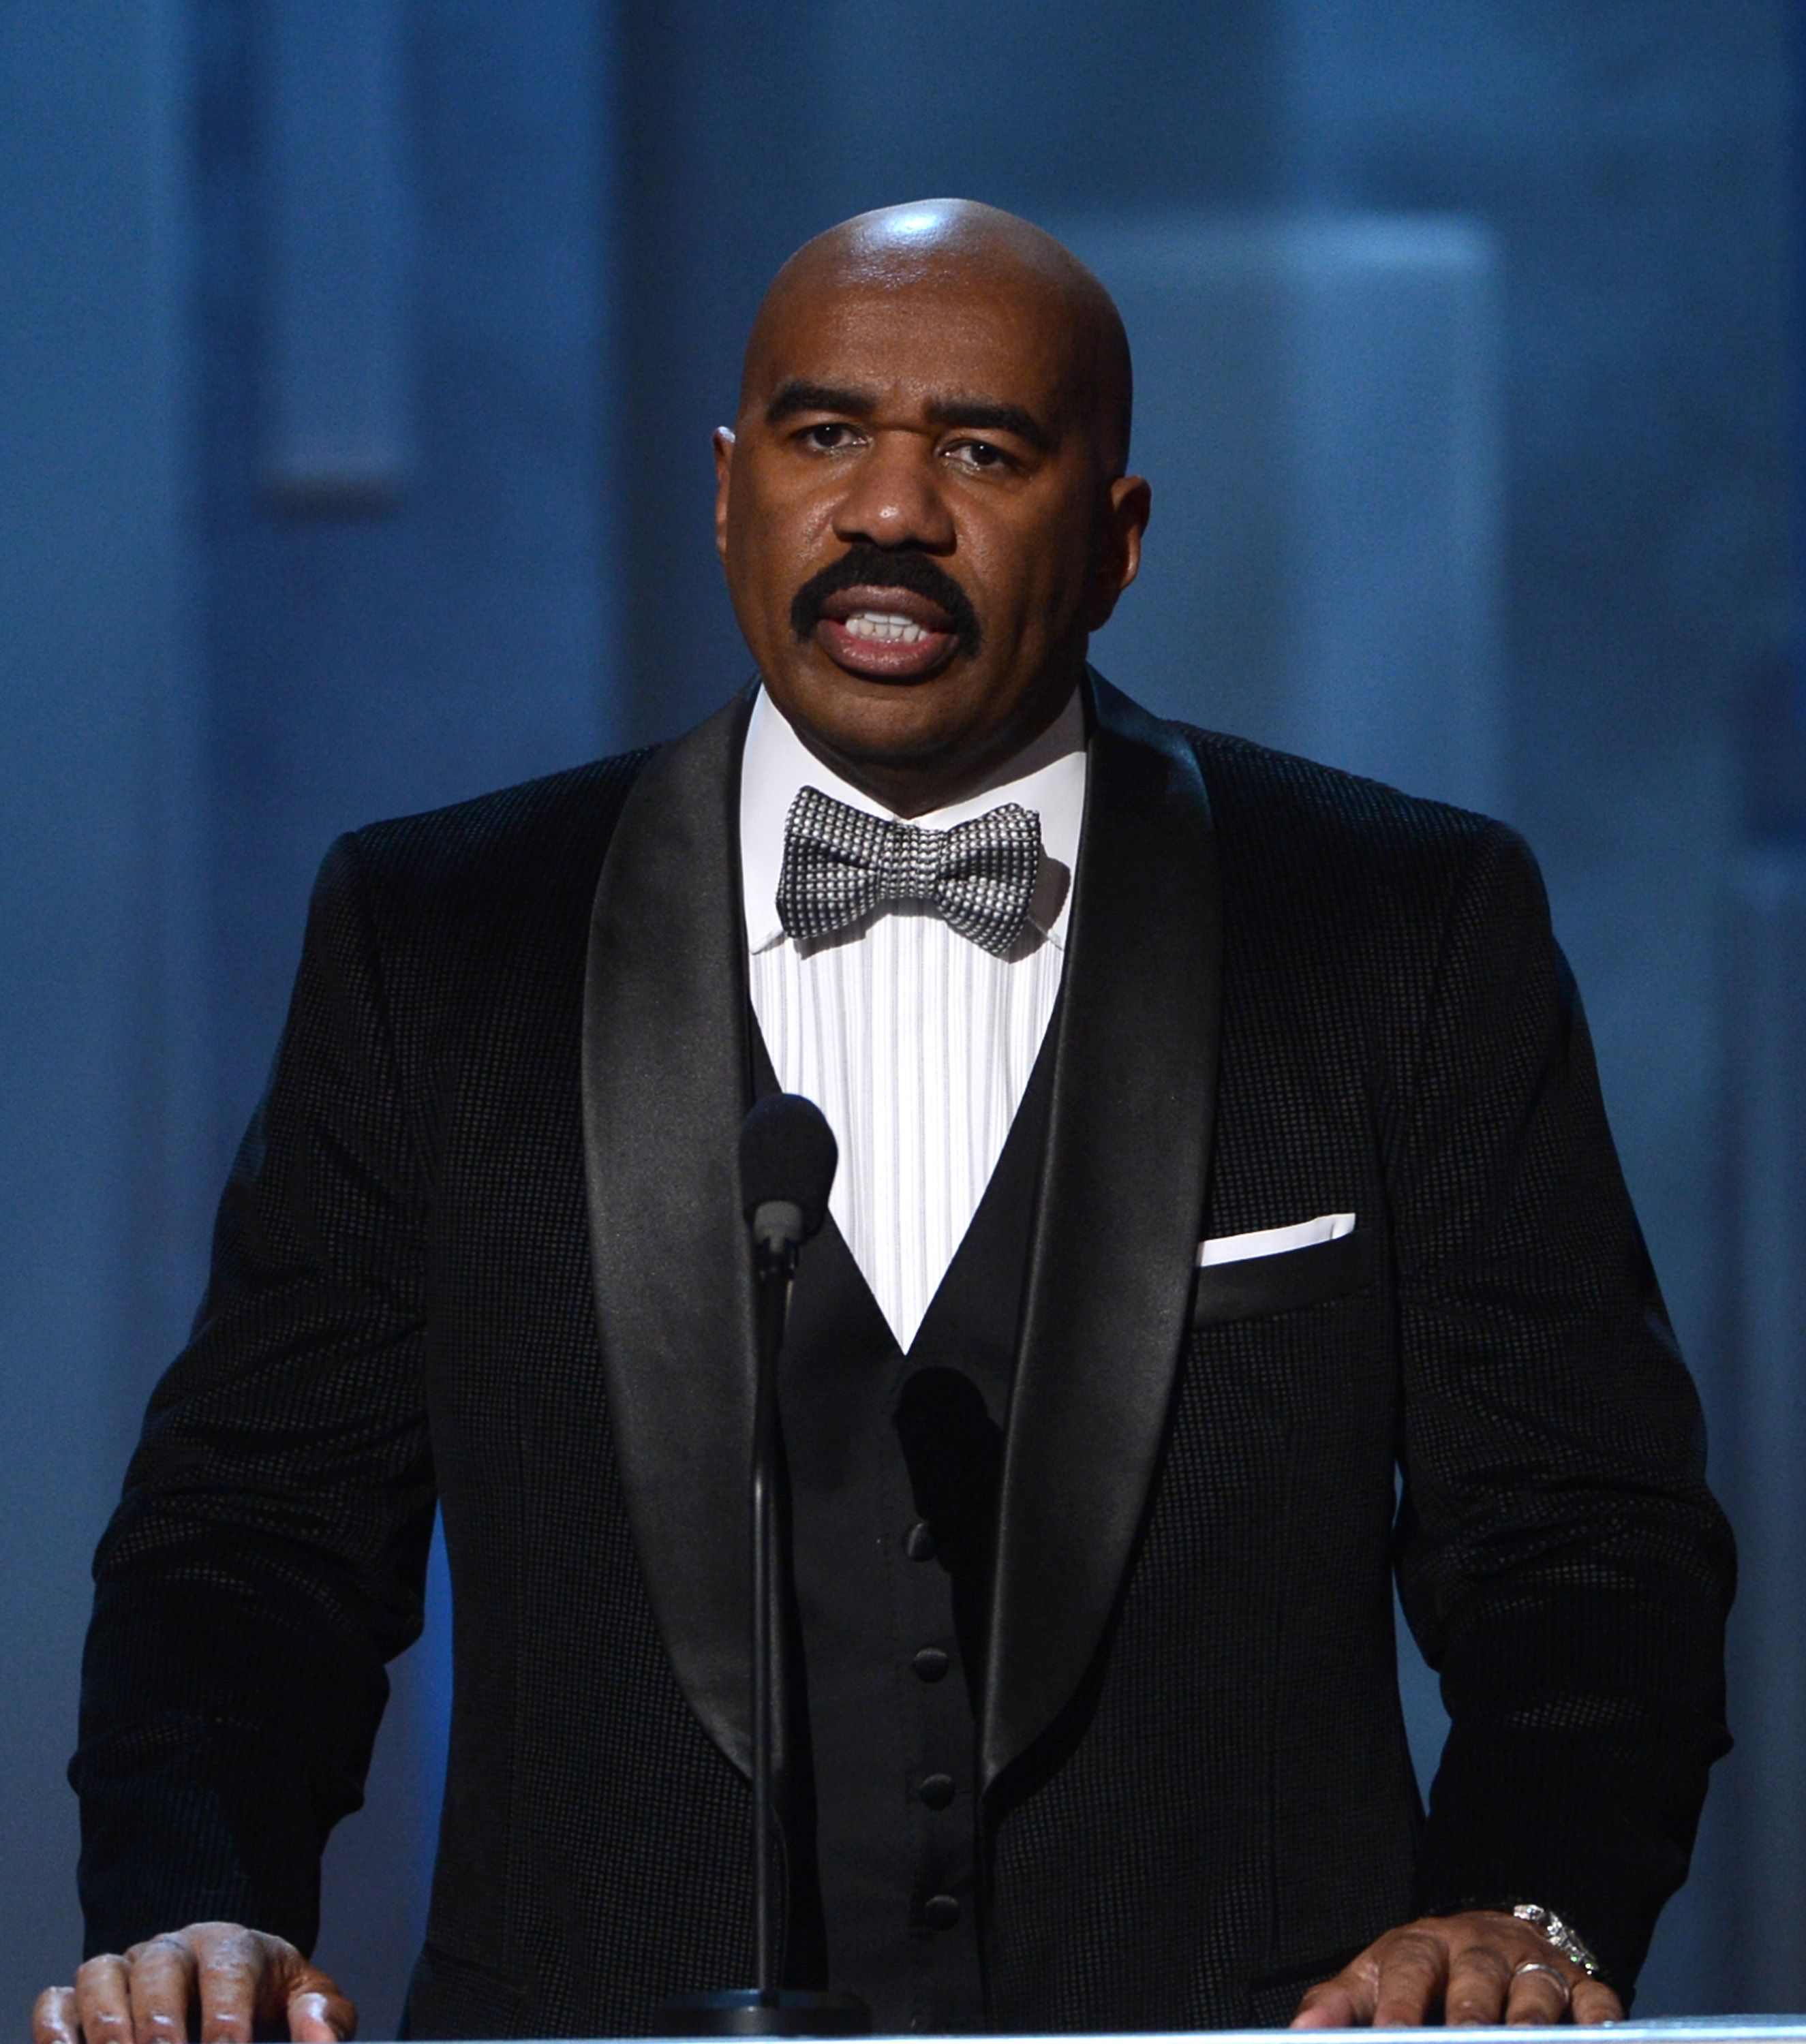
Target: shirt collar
[(1047, 776)]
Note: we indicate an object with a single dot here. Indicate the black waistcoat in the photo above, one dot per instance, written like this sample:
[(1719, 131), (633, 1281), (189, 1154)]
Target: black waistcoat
[(893, 1462)]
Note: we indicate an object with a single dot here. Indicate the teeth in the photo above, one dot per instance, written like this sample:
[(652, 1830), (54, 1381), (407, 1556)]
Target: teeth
[(883, 625)]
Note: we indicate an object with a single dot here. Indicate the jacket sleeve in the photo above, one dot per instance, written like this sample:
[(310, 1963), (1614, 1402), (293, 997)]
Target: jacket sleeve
[(1561, 1560), (268, 1555)]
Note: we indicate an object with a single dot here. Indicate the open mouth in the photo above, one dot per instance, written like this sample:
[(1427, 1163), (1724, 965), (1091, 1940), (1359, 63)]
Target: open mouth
[(887, 634), (885, 615)]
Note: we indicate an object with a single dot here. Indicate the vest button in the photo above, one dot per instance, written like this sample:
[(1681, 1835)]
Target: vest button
[(931, 1663), (940, 1912), (919, 1542), (936, 1791)]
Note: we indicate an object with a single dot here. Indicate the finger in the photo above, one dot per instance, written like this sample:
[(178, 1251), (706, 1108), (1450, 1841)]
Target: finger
[(162, 1972), (1539, 1994), (318, 2011), (1332, 2004), (53, 2018), (228, 1974), (1594, 2002), (1413, 1972), (1480, 1979), (103, 2000)]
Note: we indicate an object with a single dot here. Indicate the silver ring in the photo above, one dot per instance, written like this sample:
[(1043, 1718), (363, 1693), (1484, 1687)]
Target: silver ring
[(1537, 1966)]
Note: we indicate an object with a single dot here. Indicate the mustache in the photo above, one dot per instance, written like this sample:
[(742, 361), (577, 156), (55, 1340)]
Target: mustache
[(863, 566)]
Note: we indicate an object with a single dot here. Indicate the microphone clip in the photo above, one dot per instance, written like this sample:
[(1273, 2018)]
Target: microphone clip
[(778, 1231)]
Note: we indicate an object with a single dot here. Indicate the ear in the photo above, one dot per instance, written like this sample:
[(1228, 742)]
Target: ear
[(1119, 548), (724, 471)]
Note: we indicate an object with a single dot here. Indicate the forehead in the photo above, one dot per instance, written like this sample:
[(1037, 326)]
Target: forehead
[(911, 339)]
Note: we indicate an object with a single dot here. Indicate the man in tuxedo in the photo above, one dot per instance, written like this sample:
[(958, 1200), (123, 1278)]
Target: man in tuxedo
[(1226, 1222)]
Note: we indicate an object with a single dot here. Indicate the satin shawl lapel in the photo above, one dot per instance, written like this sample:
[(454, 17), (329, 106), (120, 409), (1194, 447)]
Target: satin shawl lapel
[(1122, 1194), (664, 1089)]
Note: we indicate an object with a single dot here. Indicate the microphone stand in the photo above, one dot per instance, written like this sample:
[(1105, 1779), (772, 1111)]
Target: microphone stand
[(774, 1267), (768, 2009)]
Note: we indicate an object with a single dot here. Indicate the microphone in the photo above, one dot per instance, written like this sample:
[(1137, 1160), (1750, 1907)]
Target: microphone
[(788, 1157)]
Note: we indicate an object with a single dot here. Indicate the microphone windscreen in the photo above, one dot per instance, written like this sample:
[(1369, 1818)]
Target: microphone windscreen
[(787, 1152)]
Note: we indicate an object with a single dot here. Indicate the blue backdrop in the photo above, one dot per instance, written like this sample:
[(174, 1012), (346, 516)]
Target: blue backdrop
[(357, 360)]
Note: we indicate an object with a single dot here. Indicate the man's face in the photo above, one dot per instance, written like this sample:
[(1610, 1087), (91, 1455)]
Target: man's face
[(918, 523)]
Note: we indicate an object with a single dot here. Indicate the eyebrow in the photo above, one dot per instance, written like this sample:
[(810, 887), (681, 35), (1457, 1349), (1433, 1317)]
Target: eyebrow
[(794, 396), (982, 415), (979, 413)]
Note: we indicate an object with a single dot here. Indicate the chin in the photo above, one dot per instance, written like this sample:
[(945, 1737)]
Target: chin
[(835, 697), (887, 740)]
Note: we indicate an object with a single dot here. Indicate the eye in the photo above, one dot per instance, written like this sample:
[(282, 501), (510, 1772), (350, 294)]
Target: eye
[(979, 454), (828, 435)]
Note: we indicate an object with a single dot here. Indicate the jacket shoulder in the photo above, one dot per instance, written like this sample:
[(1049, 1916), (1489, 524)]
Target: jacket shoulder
[(469, 922), (1321, 865), (449, 908), (539, 833), (1272, 803)]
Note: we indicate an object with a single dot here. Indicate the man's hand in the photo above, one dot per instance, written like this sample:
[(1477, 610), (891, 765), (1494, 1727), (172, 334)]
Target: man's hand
[(241, 1984), (1482, 1966)]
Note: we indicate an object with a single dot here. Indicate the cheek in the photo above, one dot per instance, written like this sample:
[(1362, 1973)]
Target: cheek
[(1036, 591), (1029, 564), (776, 543), (758, 576)]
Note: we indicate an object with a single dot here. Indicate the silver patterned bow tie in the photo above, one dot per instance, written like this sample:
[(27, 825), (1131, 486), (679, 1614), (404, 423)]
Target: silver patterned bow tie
[(840, 864)]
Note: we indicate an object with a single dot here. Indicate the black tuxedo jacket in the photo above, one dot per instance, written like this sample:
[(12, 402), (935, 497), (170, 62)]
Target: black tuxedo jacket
[(503, 1119)]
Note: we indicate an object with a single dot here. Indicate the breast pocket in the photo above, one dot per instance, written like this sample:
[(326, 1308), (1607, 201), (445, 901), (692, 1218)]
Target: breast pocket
[(1282, 1283)]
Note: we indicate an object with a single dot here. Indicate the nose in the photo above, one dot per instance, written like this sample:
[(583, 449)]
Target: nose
[(893, 497)]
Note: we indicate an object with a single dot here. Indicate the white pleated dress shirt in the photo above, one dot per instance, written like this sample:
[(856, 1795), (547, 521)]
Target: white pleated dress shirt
[(914, 1042)]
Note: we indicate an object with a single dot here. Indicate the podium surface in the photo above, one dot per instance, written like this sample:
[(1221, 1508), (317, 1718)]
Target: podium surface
[(1671, 2029)]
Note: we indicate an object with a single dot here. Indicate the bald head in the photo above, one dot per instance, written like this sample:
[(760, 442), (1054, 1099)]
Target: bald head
[(958, 247), (922, 507)]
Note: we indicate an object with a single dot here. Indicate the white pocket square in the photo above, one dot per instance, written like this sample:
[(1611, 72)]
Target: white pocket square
[(1274, 1241)]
